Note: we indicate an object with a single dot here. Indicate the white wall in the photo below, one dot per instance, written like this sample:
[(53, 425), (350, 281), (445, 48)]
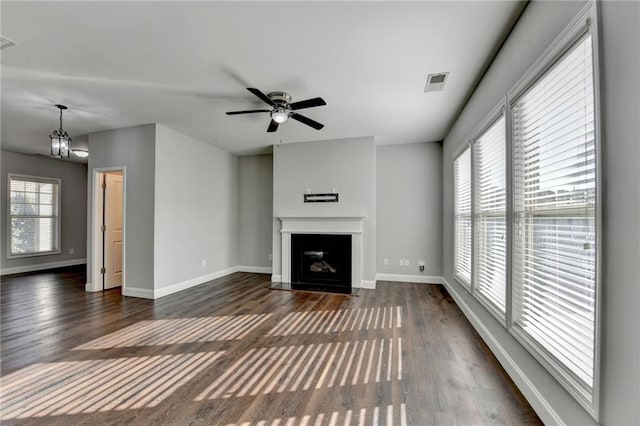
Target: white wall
[(345, 164), (73, 210), (255, 210), (134, 148), (408, 208), (196, 210), (620, 378)]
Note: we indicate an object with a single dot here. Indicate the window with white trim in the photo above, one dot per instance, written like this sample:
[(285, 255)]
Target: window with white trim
[(34, 219), (490, 216), (554, 256), (535, 255), (462, 208)]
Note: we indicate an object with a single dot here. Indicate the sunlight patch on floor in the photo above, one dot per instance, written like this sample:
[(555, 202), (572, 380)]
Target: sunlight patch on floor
[(314, 366), (388, 416), (179, 330), (342, 320), (74, 387)]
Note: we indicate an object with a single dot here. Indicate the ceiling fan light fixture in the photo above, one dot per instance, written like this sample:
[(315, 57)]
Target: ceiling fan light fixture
[(282, 109), (279, 115)]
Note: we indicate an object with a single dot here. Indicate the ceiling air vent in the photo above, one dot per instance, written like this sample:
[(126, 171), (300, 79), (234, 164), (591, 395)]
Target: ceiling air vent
[(436, 82), (5, 42)]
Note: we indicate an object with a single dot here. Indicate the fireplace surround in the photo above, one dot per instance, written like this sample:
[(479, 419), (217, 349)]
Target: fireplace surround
[(323, 225)]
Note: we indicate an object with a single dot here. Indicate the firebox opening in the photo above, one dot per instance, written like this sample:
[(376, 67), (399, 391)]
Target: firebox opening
[(322, 262)]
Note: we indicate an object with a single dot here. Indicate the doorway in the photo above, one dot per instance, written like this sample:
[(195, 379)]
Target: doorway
[(109, 229)]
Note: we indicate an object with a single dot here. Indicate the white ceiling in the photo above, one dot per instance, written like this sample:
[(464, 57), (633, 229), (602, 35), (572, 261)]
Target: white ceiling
[(184, 64)]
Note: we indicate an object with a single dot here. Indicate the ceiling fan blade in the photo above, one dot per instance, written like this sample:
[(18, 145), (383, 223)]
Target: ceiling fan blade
[(306, 120), (308, 103), (251, 111), (273, 126), (261, 95)]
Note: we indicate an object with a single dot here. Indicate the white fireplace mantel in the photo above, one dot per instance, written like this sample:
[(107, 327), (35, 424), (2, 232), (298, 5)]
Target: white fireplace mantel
[(345, 225)]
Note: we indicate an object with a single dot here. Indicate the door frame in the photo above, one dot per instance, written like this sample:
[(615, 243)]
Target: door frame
[(97, 208)]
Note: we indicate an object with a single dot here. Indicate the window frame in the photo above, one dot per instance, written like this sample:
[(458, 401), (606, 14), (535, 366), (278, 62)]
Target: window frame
[(58, 231), (585, 22), (499, 111), (462, 280)]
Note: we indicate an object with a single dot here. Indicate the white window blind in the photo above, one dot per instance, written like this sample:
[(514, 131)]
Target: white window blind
[(33, 211), (554, 258), (462, 206), (490, 209)]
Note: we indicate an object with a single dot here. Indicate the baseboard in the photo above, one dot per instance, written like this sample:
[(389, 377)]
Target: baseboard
[(371, 285), (276, 278), (174, 288), (42, 266), (539, 403), (254, 269), (143, 293), (425, 279), (88, 287)]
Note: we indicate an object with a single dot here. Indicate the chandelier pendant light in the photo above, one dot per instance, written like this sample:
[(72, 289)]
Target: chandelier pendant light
[(60, 140)]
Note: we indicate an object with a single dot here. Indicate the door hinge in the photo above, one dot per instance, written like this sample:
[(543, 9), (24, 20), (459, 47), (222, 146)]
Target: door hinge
[(103, 271), (104, 185), (103, 228)]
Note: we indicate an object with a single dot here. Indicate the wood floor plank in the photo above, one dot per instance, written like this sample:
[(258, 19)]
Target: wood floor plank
[(234, 352)]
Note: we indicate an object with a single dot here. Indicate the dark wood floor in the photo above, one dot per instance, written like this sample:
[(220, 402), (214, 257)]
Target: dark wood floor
[(233, 352)]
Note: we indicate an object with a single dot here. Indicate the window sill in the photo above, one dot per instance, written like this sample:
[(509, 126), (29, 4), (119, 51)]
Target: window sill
[(44, 253)]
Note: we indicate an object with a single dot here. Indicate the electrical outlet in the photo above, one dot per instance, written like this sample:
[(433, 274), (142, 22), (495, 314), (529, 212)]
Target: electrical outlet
[(270, 256), (385, 261), (421, 263), (204, 263), (401, 262), (72, 251), (406, 262)]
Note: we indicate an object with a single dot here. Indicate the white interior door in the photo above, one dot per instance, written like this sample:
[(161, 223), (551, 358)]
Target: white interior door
[(113, 230)]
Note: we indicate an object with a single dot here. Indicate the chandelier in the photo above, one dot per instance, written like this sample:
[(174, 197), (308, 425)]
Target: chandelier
[(60, 140)]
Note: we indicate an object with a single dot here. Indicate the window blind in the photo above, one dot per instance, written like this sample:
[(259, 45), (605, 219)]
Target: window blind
[(554, 258), (33, 207), (462, 207), (490, 209)]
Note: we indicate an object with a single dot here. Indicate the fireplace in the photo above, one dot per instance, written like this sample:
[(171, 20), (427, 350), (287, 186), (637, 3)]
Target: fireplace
[(331, 226), (321, 262)]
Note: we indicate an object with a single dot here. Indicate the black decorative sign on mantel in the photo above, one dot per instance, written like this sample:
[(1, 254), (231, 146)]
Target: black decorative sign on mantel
[(321, 198)]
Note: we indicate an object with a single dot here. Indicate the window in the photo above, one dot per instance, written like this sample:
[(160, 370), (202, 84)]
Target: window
[(554, 257), (532, 255), (490, 217), (462, 197), (33, 216)]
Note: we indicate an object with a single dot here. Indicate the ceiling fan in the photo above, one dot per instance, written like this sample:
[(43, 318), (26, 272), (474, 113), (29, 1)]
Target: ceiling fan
[(282, 109)]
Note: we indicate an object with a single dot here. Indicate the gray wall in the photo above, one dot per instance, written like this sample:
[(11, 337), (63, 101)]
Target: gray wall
[(73, 207), (345, 164), (537, 28), (621, 203), (255, 210), (133, 147), (196, 208), (408, 208)]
